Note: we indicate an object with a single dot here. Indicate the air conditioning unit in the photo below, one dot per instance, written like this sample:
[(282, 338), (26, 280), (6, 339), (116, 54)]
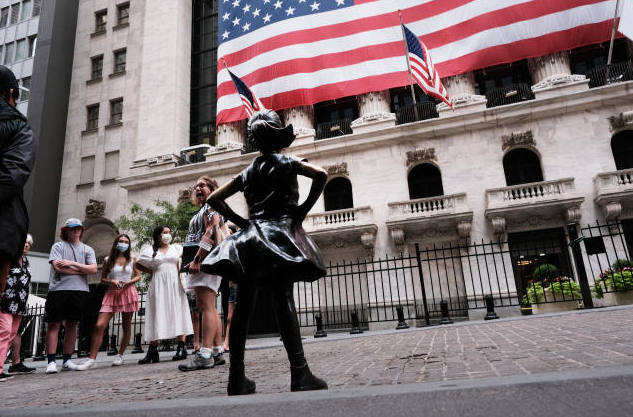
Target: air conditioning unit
[(194, 154)]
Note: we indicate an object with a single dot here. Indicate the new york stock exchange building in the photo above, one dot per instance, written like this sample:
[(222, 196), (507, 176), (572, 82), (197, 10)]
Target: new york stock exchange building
[(521, 196)]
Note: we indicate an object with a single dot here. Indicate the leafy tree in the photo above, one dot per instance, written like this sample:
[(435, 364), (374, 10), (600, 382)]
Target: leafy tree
[(142, 221)]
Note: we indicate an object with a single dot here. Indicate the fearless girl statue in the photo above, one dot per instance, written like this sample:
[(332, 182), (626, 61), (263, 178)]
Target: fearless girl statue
[(272, 249)]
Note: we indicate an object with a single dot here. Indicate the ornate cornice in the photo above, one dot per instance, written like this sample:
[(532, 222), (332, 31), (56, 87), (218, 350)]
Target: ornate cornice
[(621, 121), (420, 155), (517, 139), (337, 169)]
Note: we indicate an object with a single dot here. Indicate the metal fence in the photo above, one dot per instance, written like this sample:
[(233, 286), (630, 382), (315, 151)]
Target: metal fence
[(333, 129), (456, 278), (416, 112), (618, 72), (509, 94)]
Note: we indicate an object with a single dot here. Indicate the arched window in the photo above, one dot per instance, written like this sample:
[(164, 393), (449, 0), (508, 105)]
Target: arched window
[(338, 194), (622, 147), (425, 180), (522, 166)]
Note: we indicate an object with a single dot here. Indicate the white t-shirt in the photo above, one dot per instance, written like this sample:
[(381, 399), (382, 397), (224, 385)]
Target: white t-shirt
[(79, 252)]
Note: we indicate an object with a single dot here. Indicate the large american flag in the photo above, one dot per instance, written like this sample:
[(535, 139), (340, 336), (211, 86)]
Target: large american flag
[(300, 52), (422, 69)]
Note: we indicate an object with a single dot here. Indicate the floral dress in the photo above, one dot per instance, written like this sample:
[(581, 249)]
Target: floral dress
[(16, 292)]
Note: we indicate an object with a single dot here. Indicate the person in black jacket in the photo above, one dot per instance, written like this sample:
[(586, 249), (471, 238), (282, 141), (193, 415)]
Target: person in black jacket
[(17, 157)]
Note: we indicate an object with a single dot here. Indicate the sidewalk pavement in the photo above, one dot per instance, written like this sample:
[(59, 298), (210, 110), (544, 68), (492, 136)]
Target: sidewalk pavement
[(520, 346)]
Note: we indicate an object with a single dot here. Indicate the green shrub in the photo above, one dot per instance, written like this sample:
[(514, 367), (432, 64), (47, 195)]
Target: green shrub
[(615, 281), (620, 264), (566, 289), (533, 293), (545, 273)]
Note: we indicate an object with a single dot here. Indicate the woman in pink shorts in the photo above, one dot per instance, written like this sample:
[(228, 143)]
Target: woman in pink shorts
[(120, 273)]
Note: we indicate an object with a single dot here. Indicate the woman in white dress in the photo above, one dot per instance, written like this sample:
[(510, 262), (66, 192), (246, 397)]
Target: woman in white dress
[(166, 310)]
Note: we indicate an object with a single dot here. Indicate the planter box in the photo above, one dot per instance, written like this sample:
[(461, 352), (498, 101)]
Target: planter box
[(618, 298), (554, 307)]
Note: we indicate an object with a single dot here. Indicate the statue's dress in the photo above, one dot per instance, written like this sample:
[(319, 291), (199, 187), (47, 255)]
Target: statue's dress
[(274, 248)]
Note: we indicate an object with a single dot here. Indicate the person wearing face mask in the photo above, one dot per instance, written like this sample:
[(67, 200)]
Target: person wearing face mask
[(119, 272), (166, 309)]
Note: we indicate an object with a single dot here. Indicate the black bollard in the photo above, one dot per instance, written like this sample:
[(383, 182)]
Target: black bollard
[(355, 325), (401, 324), (137, 343), (319, 324), (39, 353), (113, 350), (445, 318), (490, 307)]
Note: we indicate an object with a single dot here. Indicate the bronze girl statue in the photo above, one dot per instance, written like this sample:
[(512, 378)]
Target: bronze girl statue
[(272, 249)]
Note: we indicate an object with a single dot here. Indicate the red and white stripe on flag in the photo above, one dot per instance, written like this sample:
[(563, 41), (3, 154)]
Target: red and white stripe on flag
[(427, 77), (358, 48)]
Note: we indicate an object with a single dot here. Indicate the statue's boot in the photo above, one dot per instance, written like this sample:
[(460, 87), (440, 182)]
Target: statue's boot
[(238, 383)]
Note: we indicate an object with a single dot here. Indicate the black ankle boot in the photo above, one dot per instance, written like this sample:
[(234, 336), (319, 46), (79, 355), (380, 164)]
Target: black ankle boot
[(239, 384), (181, 352), (301, 379), (151, 356)]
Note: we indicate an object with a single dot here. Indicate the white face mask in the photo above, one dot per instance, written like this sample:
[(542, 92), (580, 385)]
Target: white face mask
[(166, 238)]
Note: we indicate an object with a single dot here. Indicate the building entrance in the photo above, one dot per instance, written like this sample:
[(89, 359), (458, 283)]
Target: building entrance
[(537, 256)]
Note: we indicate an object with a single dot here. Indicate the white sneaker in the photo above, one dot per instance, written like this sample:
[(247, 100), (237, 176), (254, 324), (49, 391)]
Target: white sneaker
[(51, 368), (117, 361), (69, 366), (89, 364)]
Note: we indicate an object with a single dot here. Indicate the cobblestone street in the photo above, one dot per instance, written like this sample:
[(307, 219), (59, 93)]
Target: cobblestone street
[(524, 345)]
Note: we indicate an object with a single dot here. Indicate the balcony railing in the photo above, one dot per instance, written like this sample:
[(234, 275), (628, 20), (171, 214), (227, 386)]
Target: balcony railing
[(618, 72), (613, 182), (428, 207), (530, 193), (416, 112), (509, 94), (338, 219), (327, 130)]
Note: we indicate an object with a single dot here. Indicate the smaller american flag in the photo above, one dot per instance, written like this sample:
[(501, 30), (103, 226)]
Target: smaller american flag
[(422, 69), (250, 102)]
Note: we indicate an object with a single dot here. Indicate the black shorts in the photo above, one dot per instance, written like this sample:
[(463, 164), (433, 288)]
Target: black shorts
[(65, 305)]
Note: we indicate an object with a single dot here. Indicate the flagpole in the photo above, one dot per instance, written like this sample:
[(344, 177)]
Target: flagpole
[(615, 18), (406, 51)]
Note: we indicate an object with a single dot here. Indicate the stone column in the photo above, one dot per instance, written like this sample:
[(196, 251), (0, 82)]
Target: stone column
[(461, 89), (231, 139), (551, 73), (374, 110), (302, 119)]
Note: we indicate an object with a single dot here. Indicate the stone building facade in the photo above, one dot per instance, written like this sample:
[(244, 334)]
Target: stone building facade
[(562, 123)]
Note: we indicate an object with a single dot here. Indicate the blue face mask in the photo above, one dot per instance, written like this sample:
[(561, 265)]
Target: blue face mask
[(122, 247)]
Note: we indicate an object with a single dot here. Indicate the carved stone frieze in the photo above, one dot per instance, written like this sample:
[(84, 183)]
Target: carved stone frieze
[(517, 139), (184, 195), (337, 169), (433, 233), (95, 209), (421, 155), (535, 221), (621, 121)]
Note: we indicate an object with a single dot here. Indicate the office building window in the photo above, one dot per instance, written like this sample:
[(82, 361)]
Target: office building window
[(27, 6), (15, 13), (87, 174), (119, 60), (97, 67), (4, 17), (25, 91), (123, 14), (101, 19), (20, 50), (32, 44), (37, 7), (8, 53), (92, 117), (116, 111), (111, 169)]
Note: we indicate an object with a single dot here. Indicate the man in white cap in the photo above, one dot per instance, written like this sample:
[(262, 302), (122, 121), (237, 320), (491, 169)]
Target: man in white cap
[(17, 157), (72, 261)]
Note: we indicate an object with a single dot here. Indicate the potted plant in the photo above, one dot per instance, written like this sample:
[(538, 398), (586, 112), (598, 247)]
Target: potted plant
[(552, 294), (615, 286)]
